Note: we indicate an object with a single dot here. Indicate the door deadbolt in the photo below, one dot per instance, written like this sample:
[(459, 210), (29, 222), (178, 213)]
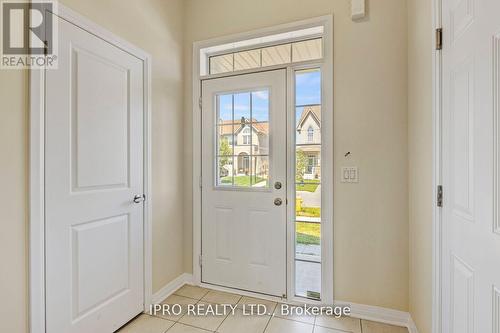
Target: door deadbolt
[(277, 185), (278, 201), (139, 198)]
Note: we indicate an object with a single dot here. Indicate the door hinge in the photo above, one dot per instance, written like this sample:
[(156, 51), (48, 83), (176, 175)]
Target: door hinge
[(200, 102), (439, 38), (439, 199), (200, 182), (200, 260)]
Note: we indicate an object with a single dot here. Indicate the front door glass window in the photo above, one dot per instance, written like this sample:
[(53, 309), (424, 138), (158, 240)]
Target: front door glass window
[(242, 134)]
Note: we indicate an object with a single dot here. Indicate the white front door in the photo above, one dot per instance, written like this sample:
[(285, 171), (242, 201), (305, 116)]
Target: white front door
[(471, 230), (94, 168), (244, 182)]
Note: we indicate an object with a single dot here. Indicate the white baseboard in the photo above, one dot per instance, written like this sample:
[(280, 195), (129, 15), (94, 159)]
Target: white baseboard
[(382, 315), (412, 328), (361, 311), (171, 287)]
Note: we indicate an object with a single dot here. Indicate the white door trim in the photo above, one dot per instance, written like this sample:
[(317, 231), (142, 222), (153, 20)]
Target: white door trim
[(36, 172), (437, 168), (327, 146)]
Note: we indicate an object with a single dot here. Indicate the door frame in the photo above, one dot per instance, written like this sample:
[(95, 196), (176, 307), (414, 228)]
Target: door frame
[(437, 235), (36, 264), (326, 65)]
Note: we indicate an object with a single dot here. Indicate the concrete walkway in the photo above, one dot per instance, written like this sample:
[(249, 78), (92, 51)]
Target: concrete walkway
[(308, 277), (311, 199), (310, 250)]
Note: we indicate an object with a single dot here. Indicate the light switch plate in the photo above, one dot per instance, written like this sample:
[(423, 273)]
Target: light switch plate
[(350, 175)]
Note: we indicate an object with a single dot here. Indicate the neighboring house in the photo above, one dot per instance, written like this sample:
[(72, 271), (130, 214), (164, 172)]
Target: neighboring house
[(308, 140), (251, 140), (251, 145)]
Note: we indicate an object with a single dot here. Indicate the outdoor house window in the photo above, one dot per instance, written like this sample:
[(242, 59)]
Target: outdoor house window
[(310, 134), (246, 136), (311, 163)]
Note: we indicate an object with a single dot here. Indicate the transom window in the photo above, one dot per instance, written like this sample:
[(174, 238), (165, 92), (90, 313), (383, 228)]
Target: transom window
[(242, 135), (266, 56), (282, 48)]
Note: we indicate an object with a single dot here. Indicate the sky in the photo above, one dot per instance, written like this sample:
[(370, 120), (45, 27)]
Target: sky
[(260, 106), (308, 87), (308, 91)]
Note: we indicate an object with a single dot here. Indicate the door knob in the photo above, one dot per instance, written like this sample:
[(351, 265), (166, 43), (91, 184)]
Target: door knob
[(278, 202), (139, 198), (277, 185)]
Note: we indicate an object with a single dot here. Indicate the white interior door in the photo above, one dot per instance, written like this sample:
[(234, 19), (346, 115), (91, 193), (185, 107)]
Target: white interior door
[(471, 231), (94, 168), (244, 163)]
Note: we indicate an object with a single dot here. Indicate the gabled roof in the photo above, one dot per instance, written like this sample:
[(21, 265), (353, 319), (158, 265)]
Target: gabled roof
[(261, 127), (313, 111), (226, 127)]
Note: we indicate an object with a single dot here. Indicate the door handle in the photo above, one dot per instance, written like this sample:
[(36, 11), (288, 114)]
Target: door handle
[(278, 202), (139, 198)]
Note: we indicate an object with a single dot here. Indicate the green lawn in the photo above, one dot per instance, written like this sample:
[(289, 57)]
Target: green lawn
[(308, 233), (242, 180), (309, 212), (308, 185), (307, 239)]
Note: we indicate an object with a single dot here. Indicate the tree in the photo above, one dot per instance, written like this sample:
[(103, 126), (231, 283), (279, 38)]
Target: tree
[(300, 165), (225, 151)]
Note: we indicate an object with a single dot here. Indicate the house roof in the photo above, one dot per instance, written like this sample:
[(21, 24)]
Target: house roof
[(314, 111), (226, 127), (262, 127)]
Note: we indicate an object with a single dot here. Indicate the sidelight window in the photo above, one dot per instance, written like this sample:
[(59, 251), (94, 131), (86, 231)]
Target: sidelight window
[(308, 183)]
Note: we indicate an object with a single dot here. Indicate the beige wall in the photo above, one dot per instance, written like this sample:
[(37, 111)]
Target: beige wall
[(155, 26), (13, 200), (420, 160), (376, 81), (370, 64)]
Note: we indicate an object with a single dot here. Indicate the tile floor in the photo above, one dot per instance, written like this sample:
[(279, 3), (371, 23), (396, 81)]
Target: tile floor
[(238, 323)]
